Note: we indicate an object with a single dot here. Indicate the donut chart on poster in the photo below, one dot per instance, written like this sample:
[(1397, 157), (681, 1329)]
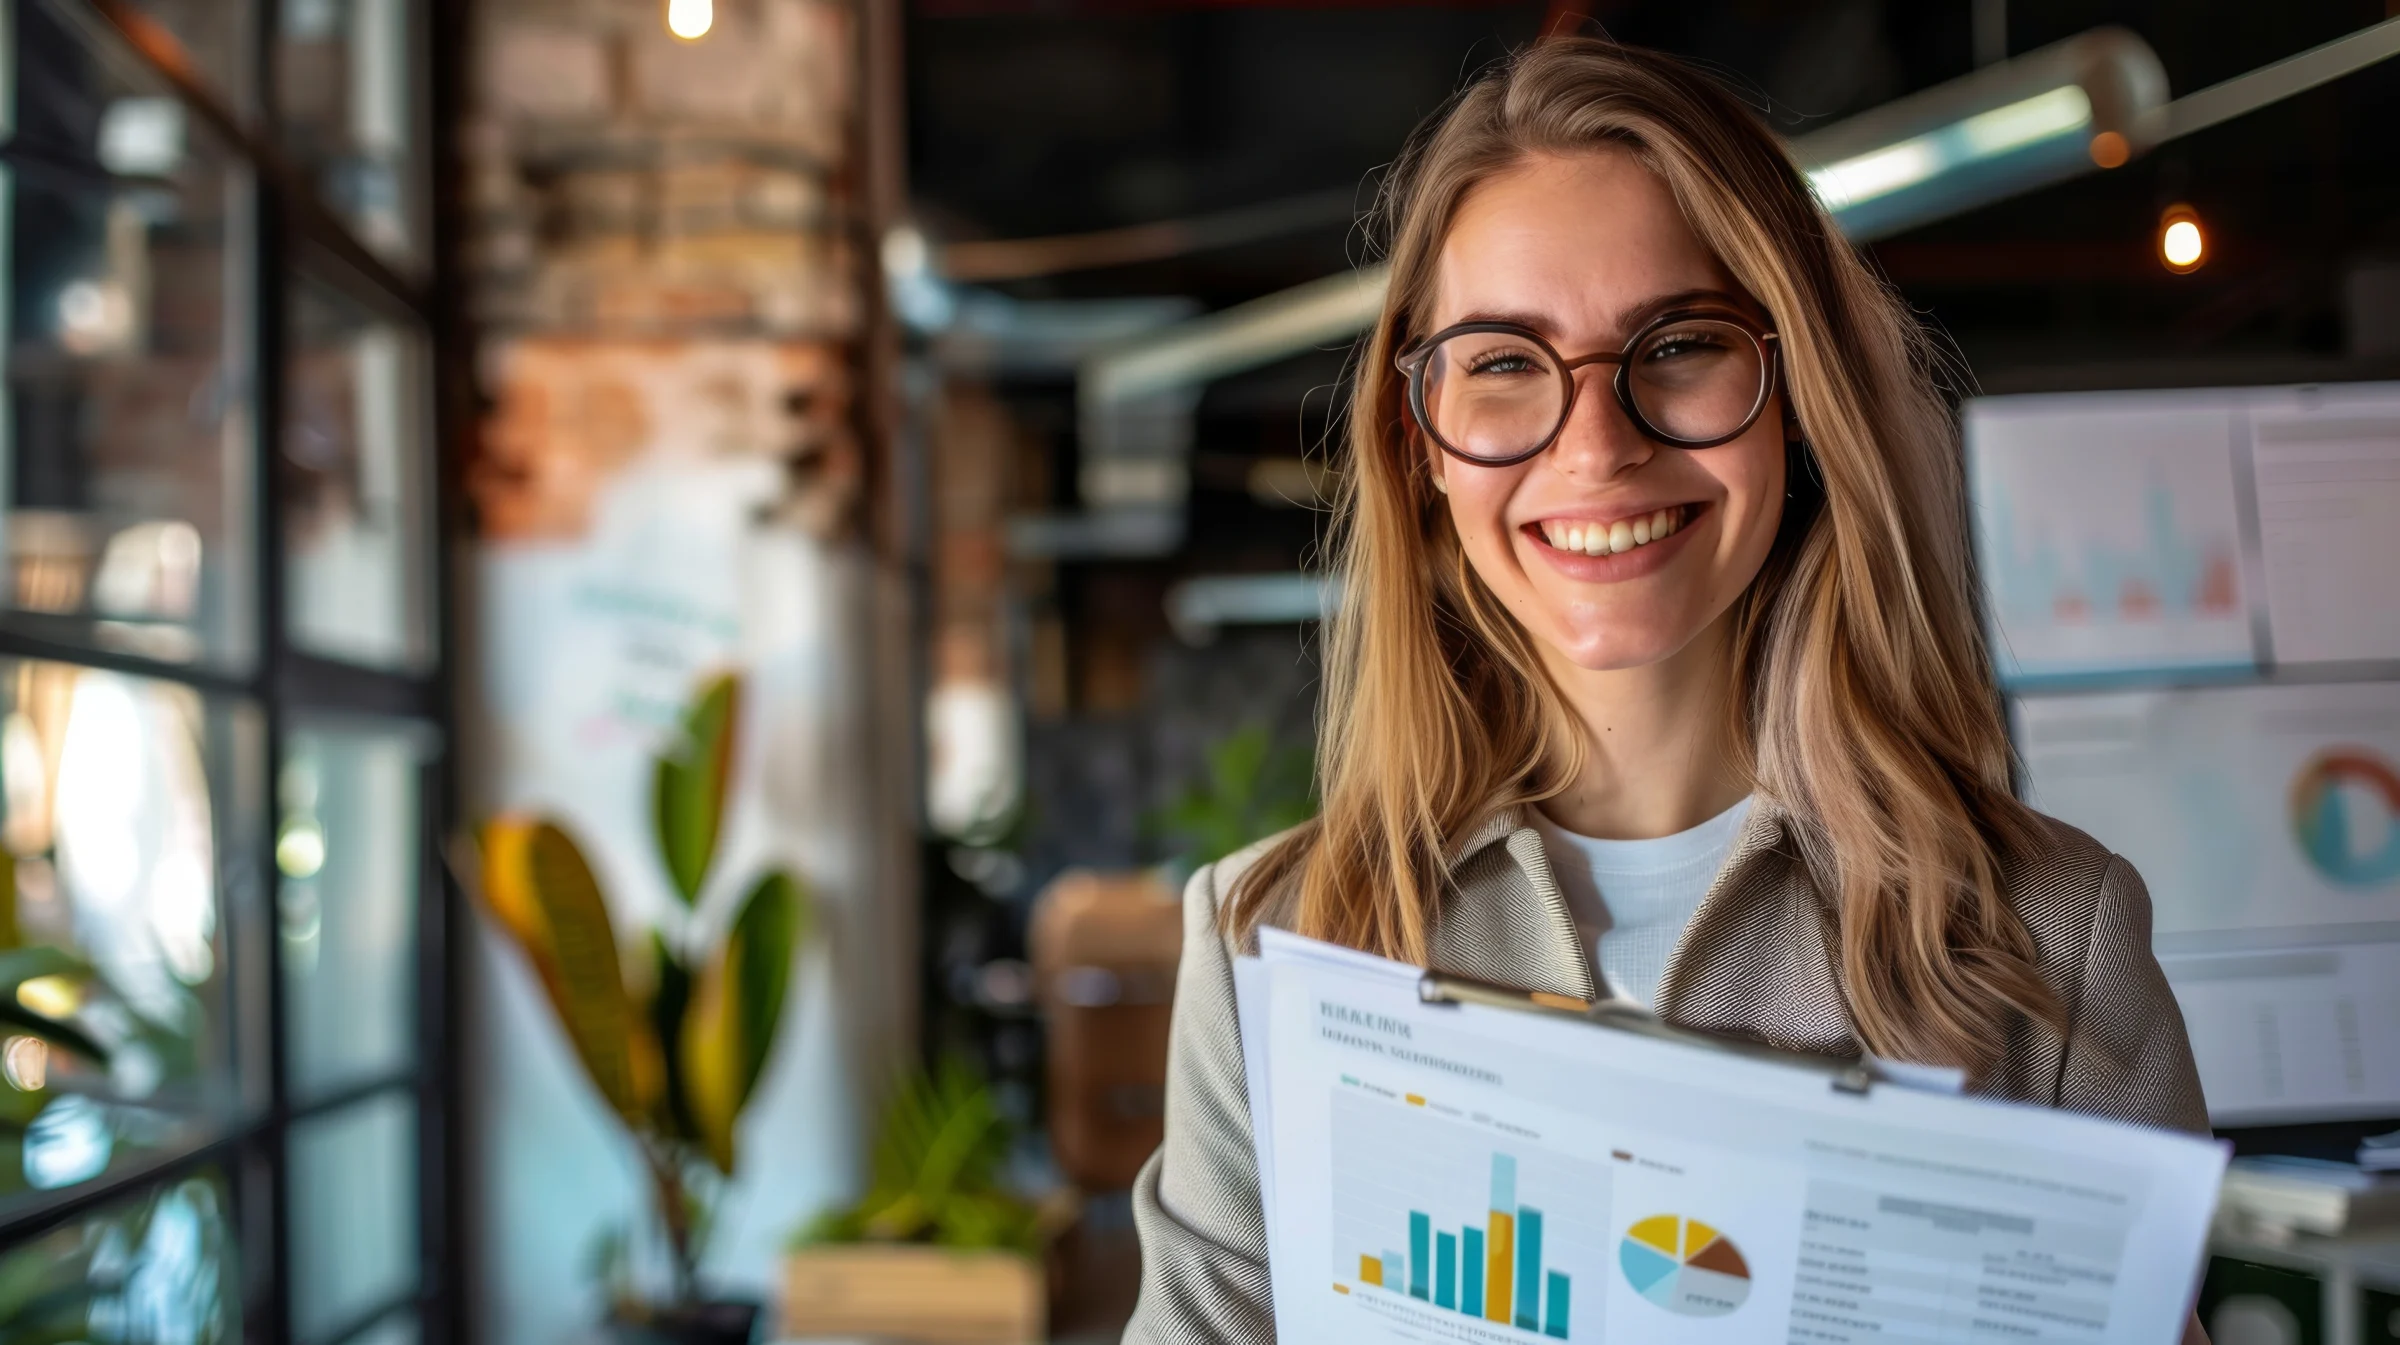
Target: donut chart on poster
[(2346, 817), (1684, 1266)]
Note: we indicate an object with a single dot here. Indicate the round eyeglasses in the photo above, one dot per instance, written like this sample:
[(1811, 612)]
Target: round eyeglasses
[(1495, 393)]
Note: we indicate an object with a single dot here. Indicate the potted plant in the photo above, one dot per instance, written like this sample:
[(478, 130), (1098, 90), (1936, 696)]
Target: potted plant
[(938, 1250), (673, 1030), (1252, 788)]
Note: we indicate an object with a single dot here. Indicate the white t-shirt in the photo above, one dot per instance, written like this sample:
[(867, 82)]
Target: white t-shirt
[(1631, 899)]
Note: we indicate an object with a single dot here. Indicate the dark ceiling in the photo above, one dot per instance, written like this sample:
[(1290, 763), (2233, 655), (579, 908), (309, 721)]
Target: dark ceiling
[(1038, 117)]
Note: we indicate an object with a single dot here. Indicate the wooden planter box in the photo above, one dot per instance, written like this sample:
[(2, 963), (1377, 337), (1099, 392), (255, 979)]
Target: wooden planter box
[(906, 1293)]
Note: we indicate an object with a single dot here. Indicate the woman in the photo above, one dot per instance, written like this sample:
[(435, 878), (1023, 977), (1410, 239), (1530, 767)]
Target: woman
[(1658, 671)]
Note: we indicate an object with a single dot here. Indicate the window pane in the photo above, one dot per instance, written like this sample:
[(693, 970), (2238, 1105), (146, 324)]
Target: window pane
[(349, 846), (120, 818), (353, 1213), (403, 1329), (355, 451), (160, 1266), (123, 420), (344, 71)]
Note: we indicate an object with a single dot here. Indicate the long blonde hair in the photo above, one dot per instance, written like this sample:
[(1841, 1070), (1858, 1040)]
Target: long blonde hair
[(1863, 701)]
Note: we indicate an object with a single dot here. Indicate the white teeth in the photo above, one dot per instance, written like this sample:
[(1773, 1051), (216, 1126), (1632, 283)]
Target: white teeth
[(1603, 539)]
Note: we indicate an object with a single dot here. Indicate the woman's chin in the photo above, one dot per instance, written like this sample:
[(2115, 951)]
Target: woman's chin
[(1614, 652)]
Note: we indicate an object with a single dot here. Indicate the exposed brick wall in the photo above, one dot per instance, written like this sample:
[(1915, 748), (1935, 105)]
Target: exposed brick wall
[(625, 187)]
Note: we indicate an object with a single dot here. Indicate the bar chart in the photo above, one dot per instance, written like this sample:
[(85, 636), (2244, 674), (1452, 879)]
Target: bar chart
[(2109, 537), (1485, 1246)]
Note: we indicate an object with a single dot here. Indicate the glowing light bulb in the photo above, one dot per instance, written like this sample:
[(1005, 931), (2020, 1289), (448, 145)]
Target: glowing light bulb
[(2181, 244), (690, 19)]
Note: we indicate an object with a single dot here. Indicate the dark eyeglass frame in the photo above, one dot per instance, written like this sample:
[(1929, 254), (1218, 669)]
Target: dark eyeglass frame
[(1411, 363)]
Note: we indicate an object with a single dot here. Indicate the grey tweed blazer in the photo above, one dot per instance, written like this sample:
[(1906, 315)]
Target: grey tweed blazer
[(1755, 960)]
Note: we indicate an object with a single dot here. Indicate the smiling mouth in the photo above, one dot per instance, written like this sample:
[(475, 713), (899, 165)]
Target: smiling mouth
[(1586, 537)]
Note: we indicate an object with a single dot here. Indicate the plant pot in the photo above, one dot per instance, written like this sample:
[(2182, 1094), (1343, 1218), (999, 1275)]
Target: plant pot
[(930, 1294), (724, 1322)]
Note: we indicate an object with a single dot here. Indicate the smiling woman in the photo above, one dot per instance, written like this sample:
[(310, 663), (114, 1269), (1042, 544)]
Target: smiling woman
[(1658, 674)]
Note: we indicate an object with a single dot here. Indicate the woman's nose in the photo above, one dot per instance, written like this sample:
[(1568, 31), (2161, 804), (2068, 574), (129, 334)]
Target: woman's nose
[(1598, 441)]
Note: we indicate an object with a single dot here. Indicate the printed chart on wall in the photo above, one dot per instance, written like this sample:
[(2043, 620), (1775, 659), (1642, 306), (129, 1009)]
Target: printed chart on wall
[(2327, 462), (2109, 533), (2265, 821)]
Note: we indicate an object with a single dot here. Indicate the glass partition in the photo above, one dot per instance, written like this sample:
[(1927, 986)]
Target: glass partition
[(126, 405), (122, 798), (345, 91), (354, 475), (348, 844), (353, 1222), (218, 783), (160, 1266)]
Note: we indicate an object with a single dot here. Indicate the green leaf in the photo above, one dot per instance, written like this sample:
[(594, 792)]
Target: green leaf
[(766, 933), (19, 965), (670, 1000), (19, 1018), (688, 785), (10, 934), (729, 1030), (581, 970)]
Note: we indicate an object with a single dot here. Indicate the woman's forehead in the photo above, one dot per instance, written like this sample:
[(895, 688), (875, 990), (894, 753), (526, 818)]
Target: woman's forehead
[(1577, 247)]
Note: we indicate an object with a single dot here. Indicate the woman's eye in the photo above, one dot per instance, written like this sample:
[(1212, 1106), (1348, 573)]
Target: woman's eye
[(1682, 345), (1506, 363)]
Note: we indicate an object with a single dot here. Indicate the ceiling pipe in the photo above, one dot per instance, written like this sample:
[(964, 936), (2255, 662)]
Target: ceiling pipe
[(2092, 101)]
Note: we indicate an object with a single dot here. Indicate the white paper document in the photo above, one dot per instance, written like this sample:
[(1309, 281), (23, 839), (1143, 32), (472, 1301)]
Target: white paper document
[(1464, 1173)]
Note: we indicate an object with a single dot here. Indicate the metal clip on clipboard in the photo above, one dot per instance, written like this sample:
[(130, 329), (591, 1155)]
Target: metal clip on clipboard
[(1843, 1074)]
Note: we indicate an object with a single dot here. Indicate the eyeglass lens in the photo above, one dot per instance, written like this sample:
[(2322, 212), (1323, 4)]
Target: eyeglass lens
[(1498, 395)]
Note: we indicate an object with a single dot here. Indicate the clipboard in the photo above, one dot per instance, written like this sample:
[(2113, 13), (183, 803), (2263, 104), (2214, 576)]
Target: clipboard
[(1416, 1129), (1844, 1074)]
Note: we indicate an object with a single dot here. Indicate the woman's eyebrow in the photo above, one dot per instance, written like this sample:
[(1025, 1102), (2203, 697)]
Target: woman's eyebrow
[(1629, 319), (1532, 321), (1634, 316)]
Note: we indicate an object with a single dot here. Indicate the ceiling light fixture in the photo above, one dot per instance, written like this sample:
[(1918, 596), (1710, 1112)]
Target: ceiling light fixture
[(2181, 244), (691, 19)]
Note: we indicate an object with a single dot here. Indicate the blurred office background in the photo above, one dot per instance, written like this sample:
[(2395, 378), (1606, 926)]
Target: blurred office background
[(627, 611)]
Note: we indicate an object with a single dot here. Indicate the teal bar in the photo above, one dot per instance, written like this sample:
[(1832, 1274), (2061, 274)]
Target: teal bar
[(1529, 1266), (1394, 1274), (1420, 1253), (1555, 1323), (1504, 1182), (1445, 1271), (1471, 1284)]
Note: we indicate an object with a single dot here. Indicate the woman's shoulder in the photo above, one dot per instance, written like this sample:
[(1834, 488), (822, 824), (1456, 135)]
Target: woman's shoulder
[(1213, 883), (2069, 889)]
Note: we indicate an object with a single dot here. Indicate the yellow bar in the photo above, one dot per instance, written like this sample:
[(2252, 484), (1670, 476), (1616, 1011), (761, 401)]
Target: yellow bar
[(1370, 1269), (1341, 1288), (1414, 1100), (1499, 1266)]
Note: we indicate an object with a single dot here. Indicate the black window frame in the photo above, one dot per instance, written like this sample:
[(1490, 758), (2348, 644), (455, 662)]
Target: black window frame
[(291, 229)]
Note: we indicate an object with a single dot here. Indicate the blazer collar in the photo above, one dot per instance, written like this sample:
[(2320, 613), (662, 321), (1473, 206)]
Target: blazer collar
[(1762, 832), (1761, 842)]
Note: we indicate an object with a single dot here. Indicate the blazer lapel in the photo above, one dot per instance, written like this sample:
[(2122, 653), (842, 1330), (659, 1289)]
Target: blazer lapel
[(1757, 959), (1506, 920)]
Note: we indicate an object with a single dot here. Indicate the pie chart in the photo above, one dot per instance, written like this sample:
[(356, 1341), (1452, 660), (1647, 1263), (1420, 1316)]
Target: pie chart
[(1684, 1266), (2346, 817)]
